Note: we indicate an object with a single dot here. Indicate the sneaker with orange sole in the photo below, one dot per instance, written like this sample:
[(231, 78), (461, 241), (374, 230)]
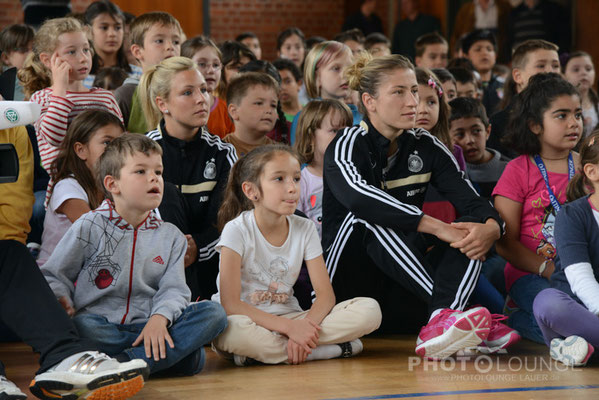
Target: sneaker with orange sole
[(90, 375)]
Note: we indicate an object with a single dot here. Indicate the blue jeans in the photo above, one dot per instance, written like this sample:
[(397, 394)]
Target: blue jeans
[(523, 293), (198, 325)]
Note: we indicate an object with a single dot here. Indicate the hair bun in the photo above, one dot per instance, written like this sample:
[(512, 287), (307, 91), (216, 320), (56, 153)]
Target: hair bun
[(354, 72)]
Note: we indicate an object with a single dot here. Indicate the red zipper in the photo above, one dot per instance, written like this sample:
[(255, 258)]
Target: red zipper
[(130, 276)]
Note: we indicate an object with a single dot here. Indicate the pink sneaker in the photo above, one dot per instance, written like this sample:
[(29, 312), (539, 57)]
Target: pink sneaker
[(452, 330), (500, 337)]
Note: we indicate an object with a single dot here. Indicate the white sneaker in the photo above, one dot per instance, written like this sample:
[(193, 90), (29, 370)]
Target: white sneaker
[(91, 375), (573, 351), (10, 391)]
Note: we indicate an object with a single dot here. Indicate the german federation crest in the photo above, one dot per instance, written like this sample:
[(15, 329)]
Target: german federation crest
[(210, 169), (415, 163)]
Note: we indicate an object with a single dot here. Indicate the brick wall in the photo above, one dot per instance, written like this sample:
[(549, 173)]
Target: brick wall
[(266, 19)]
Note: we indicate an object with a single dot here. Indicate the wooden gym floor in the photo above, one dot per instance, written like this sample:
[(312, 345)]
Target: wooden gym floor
[(387, 369)]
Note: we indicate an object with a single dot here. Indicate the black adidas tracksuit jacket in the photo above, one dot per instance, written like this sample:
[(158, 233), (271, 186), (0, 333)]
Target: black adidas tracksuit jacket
[(379, 199), (199, 169)]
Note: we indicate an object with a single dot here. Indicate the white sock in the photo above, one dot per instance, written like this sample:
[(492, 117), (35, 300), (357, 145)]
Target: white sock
[(435, 313), (324, 352)]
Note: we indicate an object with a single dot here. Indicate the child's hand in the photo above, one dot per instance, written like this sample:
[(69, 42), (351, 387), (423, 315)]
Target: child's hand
[(304, 332), (60, 75), (153, 335), (191, 255), (296, 353), (65, 302)]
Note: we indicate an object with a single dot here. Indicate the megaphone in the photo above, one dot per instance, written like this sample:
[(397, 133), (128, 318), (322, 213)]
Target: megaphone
[(16, 113)]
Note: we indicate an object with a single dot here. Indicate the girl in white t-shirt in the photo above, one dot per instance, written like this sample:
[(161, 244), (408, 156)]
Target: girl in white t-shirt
[(262, 247), (76, 191), (317, 125)]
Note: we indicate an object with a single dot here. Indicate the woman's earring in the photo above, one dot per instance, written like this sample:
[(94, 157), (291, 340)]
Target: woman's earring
[(256, 198), (167, 112)]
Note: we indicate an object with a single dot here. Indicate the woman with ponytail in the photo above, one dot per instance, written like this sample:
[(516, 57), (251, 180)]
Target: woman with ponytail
[(567, 312), (175, 98), (376, 175)]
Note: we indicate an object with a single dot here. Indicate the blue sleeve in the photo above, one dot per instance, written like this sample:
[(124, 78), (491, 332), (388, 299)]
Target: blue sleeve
[(293, 128), (571, 239)]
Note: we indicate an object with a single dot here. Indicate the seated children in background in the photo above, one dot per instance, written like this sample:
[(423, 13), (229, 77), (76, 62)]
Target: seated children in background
[(466, 83), (579, 70), (252, 42), (61, 61), (262, 247), (107, 34), (208, 57), (448, 83), (280, 132), (252, 102), (291, 44), (154, 37), (354, 39), (480, 47), (317, 126), (110, 78), (324, 76), (544, 128), (75, 189), (131, 299), (234, 56), (16, 42), (469, 128), (567, 312), (431, 51), (291, 83), (529, 58), (377, 44)]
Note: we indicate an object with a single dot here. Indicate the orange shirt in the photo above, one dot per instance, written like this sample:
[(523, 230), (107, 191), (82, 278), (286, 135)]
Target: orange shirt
[(219, 122)]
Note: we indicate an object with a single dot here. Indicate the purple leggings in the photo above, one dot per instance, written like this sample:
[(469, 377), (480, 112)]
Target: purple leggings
[(560, 316)]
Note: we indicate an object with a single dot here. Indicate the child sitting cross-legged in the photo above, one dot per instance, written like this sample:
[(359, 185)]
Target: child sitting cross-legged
[(131, 298)]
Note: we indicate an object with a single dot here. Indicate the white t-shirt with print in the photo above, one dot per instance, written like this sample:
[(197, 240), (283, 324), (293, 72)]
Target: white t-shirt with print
[(56, 224), (268, 273)]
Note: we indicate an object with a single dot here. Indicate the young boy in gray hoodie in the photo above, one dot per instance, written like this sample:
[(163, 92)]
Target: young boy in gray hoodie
[(130, 295)]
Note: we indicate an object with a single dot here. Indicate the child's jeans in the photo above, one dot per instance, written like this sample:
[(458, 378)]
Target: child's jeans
[(523, 293), (560, 316), (199, 324)]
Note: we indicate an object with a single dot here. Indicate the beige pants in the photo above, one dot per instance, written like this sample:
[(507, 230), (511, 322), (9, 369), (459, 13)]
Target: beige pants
[(347, 321)]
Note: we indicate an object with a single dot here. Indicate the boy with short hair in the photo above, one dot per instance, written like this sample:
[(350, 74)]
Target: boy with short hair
[(353, 38), (252, 103), (252, 42), (154, 37), (291, 83), (131, 298), (469, 128), (528, 59), (480, 47), (377, 44), (16, 42), (431, 51), (466, 83)]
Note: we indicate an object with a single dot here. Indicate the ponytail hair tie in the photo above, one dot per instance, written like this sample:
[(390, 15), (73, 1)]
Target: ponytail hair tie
[(432, 83)]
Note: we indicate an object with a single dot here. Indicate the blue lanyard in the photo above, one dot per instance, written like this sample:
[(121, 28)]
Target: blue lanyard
[(541, 165)]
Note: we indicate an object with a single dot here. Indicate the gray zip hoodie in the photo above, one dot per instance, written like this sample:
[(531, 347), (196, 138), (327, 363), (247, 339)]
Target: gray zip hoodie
[(122, 273)]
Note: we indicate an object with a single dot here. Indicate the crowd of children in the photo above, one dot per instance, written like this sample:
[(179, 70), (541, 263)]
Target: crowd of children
[(283, 210)]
